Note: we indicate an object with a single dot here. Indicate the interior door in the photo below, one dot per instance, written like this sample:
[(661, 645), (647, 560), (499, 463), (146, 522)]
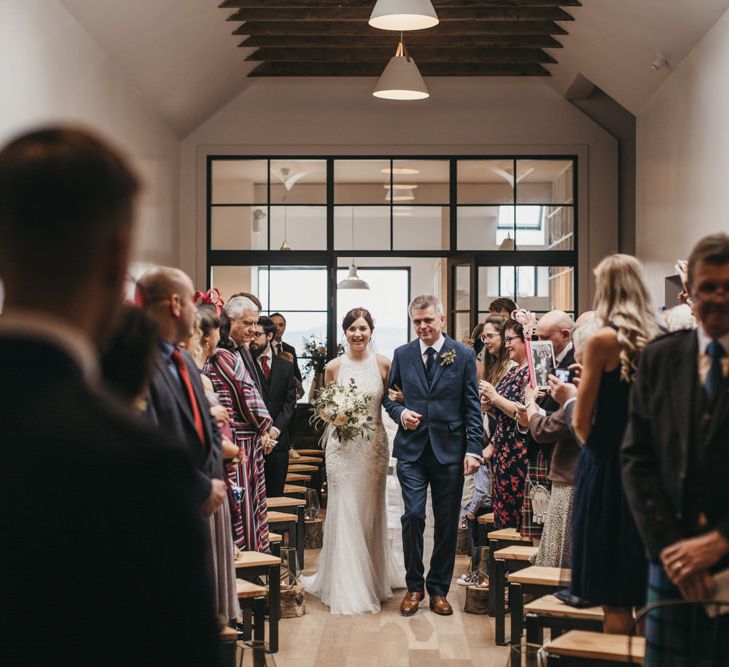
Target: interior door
[(461, 307)]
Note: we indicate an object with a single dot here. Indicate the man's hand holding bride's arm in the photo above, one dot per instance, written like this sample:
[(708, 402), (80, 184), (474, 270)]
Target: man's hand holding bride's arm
[(396, 394), (410, 419)]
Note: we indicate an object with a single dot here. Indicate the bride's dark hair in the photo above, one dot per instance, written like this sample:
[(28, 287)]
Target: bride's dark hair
[(355, 314)]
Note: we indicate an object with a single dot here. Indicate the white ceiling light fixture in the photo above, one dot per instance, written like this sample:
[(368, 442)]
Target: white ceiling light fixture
[(401, 171), (287, 178), (401, 186), (403, 15), (401, 79), (352, 281)]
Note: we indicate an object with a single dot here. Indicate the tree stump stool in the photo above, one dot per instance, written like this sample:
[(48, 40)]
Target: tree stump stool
[(477, 600), (464, 546), (292, 602), (313, 533)]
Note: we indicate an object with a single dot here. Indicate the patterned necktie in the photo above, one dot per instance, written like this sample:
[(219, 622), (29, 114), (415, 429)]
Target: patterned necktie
[(715, 376), (187, 384), (265, 367), (430, 364)]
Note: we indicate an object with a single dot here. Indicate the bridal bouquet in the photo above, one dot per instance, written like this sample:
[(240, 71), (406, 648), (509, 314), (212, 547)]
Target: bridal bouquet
[(345, 409)]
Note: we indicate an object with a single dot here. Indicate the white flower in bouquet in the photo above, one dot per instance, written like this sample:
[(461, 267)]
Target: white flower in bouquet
[(343, 408)]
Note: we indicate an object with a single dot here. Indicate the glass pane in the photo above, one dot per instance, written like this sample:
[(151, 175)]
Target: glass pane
[(361, 181), (463, 287), (303, 227), (238, 228), (361, 228), (239, 182), (421, 181), (544, 228), (386, 299), (293, 288), (560, 227), (233, 279), (484, 227), (544, 181), (298, 182), (561, 290), (485, 181), (421, 228), (493, 283), (463, 326)]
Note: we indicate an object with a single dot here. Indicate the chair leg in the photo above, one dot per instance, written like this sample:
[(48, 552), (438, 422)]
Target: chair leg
[(259, 644), (516, 602), (493, 547), (300, 536), (245, 609), (499, 588), (274, 606)]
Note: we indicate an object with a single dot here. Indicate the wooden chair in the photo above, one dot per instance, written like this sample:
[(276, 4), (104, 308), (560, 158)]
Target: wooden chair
[(579, 648), (534, 581), (500, 539), (294, 491), (295, 467), (285, 522), (292, 506), (251, 564), (295, 477), (311, 460), (485, 524), (252, 598), (311, 452), (550, 612), (275, 540)]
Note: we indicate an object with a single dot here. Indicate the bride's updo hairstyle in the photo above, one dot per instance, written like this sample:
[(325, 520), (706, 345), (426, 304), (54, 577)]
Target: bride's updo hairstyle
[(354, 315)]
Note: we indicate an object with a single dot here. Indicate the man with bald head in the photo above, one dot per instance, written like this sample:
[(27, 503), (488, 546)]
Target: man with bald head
[(84, 484), (177, 401)]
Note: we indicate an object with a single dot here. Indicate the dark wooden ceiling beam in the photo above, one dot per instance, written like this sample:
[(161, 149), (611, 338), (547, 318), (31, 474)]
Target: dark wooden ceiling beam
[(445, 14), (382, 55), (438, 4), (389, 39), (361, 28), (375, 69)]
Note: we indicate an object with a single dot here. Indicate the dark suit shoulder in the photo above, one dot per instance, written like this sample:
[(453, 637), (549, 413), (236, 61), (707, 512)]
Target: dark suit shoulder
[(669, 341)]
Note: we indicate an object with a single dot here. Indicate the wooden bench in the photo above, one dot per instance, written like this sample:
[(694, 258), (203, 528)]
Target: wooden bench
[(288, 523), (252, 599), (294, 477), (534, 581), (311, 452), (293, 506), (579, 648), (295, 467), (294, 491), (550, 612), (500, 539), (252, 564)]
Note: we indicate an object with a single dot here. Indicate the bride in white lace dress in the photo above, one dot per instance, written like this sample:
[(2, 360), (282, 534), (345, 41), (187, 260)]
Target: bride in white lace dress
[(357, 566)]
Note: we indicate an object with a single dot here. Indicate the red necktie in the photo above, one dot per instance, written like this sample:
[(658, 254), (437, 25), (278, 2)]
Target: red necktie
[(185, 378), (264, 365)]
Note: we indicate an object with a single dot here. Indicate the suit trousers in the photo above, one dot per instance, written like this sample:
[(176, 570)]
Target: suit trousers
[(446, 487), (276, 465)]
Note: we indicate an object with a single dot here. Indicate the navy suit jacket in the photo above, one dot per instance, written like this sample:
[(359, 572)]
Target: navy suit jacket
[(451, 412)]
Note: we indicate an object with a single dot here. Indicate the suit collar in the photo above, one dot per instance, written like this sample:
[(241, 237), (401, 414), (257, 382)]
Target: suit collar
[(447, 345), (417, 362)]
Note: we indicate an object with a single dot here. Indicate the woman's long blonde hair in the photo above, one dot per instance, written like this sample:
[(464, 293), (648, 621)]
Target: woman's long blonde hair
[(622, 300)]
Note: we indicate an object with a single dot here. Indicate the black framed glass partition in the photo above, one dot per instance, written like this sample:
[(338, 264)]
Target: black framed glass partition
[(468, 229)]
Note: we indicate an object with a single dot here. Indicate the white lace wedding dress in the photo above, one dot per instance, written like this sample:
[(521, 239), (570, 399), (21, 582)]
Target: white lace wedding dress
[(357, 566)]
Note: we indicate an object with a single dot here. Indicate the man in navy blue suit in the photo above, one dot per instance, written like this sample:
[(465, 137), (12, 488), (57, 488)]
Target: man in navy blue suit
[(438, 442)]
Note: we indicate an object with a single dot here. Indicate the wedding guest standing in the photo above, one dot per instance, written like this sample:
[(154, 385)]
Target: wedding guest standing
[(279, 345), (507, 450), (85, 485), (249, 423), (279, 394), (242, 313), (675, 458), (608, 565)]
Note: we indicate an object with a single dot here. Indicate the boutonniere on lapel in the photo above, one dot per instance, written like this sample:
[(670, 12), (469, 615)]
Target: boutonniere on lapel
[(448, 357)]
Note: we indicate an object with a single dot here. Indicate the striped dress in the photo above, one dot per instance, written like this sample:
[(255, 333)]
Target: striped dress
[(249, 419)]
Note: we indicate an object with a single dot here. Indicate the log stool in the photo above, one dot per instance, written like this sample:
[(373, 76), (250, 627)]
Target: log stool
[(284, 522), (535, 581), (313, 533), (252, 600), (579, 648), (550, 612), (251, 564)]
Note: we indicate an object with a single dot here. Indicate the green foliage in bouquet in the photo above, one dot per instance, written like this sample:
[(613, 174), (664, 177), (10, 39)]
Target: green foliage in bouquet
[(345, 409), (315, 353)]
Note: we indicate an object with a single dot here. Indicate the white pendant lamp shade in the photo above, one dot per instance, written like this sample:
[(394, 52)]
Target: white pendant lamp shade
[(401, 79), (352, 281), (403, 15)]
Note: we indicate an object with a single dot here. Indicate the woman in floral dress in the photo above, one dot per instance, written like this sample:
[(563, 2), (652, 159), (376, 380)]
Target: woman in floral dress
[(507, 450)]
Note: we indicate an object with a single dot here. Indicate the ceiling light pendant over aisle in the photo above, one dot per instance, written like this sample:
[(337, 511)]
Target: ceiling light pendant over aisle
[(352, 281), (401, 79), (403, 15)]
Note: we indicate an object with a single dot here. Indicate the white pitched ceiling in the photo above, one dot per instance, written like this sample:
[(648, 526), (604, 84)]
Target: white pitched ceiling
[(179, 53), (186, 63)]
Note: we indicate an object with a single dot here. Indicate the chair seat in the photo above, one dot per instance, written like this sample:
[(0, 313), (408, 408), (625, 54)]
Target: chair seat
[(314, 460), (516, 552), (598, 646), (541, 576), (228, 634), (282, 517), (274, 538), (548, 605), (292, 488), (275, 503), (255, 559), (302, 468), (486, 518), (246, 589), (311, 452), (293, 477), (510, 534)]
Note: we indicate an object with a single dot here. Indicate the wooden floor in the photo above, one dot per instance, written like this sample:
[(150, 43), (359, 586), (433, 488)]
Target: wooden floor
[(387, 639)]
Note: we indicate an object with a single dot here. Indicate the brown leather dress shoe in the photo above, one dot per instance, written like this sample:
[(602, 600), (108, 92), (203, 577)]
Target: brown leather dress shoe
[(440, 605), (410, 602)]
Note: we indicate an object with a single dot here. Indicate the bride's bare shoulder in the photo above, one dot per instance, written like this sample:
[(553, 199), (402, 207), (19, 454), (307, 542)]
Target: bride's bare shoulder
[(334, 364), (384, 363)]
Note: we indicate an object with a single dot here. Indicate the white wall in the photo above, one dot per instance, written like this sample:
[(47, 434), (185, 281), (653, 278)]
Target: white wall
[(52, 71), (683, 158), (339, 116)]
